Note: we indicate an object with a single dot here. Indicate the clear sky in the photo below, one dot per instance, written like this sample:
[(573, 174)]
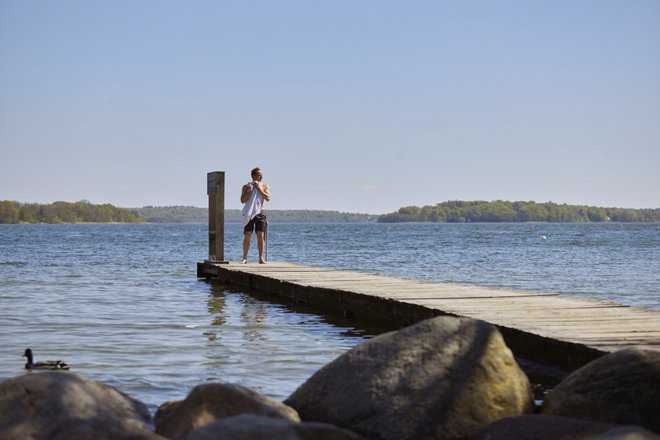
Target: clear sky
[(349, 105)]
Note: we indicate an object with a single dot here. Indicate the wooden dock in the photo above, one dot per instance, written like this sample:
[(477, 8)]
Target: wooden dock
[(550, 329)]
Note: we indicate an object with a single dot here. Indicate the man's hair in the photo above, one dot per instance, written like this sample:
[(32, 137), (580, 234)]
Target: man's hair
[(255, 171)]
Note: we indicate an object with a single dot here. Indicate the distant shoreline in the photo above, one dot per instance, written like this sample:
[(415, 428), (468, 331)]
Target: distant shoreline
[(499, 211), (190, 214)]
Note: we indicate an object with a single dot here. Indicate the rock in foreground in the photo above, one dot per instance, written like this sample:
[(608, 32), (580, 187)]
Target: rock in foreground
[(209, 402), (443, 378), (538, 427), (621, 387), (164, 411), (54, 405), (627, 433), (252, 427)]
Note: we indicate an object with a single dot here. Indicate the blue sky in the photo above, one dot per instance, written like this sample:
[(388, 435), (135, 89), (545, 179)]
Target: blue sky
[(355, 106)]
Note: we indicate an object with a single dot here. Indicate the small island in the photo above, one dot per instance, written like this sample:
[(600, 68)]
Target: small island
[(459, 211), (65, 212)]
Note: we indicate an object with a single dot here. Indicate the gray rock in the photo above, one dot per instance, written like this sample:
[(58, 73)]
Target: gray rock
[(164, 410), (538, 427), (621, 387), (253, 427), (627, 433), (57, 405), (443, 378), (209, 402), (102, 429)]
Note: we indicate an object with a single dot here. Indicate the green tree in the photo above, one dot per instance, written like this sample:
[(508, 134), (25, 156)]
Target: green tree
[(9, 211)]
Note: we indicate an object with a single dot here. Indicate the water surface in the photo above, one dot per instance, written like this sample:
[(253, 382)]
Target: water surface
[(122, 303)]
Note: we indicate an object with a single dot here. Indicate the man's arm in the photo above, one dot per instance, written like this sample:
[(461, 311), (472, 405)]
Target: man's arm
[(264, 190), (246, 192)]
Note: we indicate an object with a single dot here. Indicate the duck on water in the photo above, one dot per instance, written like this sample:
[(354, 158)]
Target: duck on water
[(45, 365)]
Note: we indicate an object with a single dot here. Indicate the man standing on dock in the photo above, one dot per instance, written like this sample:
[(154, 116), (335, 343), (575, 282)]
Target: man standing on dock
[(253, 197)]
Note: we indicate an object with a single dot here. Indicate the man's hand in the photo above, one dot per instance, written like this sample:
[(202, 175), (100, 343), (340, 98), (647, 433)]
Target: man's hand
[(263, 189), (246, 192)]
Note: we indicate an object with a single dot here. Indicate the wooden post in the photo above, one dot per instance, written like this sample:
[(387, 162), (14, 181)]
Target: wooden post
[(215, 188)]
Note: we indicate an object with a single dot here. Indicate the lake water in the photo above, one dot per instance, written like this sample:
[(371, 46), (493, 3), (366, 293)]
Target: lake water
[(122, 304)]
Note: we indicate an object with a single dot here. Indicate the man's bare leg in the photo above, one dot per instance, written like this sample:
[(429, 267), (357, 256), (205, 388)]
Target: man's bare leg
[(247, 237), (260, 244)]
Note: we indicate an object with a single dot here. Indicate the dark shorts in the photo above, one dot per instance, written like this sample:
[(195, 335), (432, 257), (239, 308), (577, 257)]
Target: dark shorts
[(257, 223)]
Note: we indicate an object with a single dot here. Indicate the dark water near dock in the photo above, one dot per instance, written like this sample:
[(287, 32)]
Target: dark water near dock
[(122, 304)]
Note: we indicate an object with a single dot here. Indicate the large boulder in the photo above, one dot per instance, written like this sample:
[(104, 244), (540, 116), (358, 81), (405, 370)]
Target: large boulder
[(253, 427), (538, 427), (627, 433), (52, 405), (209, 402), (100, 429), (622, 387), (442, 378)]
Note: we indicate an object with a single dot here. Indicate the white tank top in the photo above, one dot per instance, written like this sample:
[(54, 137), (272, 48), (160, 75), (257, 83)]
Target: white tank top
[(253, 206)]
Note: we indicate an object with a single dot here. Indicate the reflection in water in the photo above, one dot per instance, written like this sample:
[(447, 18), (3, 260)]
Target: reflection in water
[(269, 340), (253, 315), (262, 344), (216, 304)]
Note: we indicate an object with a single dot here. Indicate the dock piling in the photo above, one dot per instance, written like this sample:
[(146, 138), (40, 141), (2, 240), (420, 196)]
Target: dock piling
[(215, 188)]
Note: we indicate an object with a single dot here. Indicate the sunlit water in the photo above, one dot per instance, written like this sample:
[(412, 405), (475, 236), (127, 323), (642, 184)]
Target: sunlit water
[(122, 303)]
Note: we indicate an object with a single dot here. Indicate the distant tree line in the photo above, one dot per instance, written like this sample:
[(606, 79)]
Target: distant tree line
[(450, 212), (191, 214), (317, 216), (173, 214), (65, 212), (504, 211)]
